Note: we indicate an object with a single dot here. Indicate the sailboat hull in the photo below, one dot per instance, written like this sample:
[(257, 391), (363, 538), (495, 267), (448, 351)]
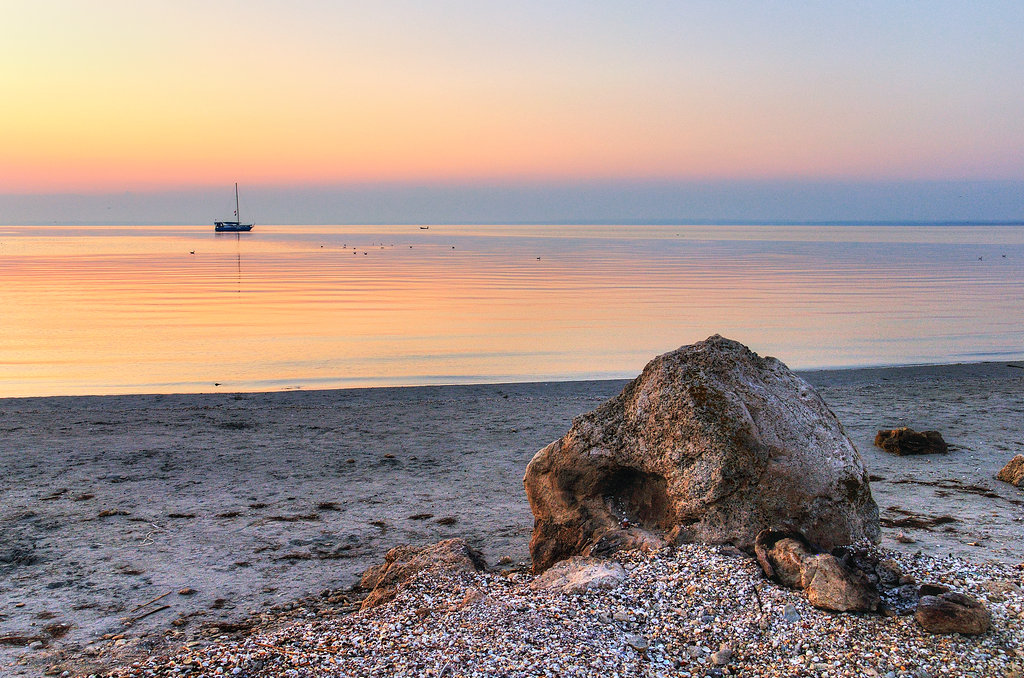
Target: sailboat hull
[(231, 226)]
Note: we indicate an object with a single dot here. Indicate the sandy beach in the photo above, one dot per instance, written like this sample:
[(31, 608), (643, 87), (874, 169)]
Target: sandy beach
[(255, 500)]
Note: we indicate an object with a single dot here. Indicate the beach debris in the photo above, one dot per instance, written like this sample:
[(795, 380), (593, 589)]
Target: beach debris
[(129, 570), (294, 518), (402, 563), (447, 520), (917, 520), (128, 621), (579, 574), (187, 591), (150, 602), (950, 484), (57, 629), (1013, 472), (906, 441), (20, 639), (952, 613), (711, 443), (421, 516)]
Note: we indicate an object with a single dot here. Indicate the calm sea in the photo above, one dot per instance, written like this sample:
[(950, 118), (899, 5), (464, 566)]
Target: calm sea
[(98, 310)]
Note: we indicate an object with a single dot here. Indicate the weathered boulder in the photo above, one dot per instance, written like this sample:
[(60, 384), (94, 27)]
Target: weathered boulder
[(711, 443), (1013, 472), (580, 573), (402, 563), (952, 613), (904, 441)]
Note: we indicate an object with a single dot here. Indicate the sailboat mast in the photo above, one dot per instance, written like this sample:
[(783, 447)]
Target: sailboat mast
[(238, 217)]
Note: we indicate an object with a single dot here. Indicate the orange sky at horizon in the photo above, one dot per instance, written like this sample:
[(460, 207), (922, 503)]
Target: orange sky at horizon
[(126, 97)]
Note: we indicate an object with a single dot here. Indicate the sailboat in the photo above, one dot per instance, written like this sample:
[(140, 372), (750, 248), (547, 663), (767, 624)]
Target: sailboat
[(236, 225)]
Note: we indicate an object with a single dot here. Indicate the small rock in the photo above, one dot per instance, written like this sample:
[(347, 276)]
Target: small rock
[(473, 596), (638, 643), (187, 591), (904, 441), (1013, 472), (790, 614), (830, 586), (580, 573), (952, 613)]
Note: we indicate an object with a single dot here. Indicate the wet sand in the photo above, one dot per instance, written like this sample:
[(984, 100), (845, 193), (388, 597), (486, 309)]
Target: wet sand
[(252, 500)]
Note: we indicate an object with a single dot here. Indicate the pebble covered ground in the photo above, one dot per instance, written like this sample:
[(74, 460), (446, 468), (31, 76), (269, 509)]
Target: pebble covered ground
[(689, 611)]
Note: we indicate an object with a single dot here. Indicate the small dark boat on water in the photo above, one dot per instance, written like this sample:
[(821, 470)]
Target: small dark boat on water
[(236, 225)]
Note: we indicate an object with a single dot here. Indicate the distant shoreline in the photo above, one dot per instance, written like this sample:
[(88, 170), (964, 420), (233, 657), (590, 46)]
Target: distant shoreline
[(585, 222), (831, 373)]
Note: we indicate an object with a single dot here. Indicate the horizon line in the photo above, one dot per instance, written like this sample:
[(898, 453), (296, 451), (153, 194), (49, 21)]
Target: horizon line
[(567, 222)]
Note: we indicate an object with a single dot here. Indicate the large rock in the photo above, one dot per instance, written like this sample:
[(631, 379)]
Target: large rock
[(711, 443), (1013, 472), (402, 563), (905, 441)]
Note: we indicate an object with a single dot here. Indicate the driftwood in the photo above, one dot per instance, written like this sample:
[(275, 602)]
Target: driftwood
[(128, 621)]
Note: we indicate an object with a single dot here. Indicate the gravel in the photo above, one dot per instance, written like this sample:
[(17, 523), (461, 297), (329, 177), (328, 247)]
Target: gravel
[(689, 611)]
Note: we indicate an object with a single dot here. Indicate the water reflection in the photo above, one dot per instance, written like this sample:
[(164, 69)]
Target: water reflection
[(237, 236), (107, 310)]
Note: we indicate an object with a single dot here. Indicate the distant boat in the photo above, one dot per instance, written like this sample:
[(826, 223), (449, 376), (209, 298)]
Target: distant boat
[(423, 228), (232, 225)]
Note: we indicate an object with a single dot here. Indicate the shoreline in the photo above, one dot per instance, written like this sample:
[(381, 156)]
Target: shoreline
[(807, 374), (252, 501)]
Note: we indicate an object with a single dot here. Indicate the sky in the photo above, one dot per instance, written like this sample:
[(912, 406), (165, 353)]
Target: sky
[(493, 111)]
